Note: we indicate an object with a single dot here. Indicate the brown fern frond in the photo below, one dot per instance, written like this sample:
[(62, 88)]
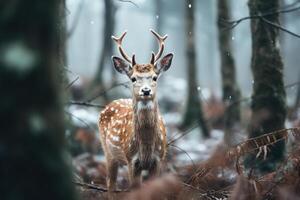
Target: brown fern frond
[(261, 143)]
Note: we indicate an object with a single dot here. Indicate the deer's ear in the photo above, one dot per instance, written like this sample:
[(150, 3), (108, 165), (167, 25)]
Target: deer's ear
[(164, 63), (121, 65)]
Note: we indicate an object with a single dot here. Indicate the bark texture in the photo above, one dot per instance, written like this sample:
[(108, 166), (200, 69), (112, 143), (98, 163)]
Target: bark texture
[(268, 98), (297, 101), (194, 111), (32, 155), (231, 92)]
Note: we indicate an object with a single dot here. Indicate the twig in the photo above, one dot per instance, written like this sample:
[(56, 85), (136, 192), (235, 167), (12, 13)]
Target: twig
[(79, 119), (72, 83), (234, 23), (193, 187), (279, 27), (124, 84), (96, 187), (185, 152), (292, 84), (70, 71), (81, 103), (182, 134), (131, 2)]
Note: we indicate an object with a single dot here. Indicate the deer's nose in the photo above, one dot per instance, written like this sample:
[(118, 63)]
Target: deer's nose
[(146, 91)]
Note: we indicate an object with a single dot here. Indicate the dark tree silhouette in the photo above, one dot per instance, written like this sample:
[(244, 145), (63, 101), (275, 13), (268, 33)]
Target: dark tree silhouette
[(62, 32), (61, 42), (231, 92), (297, 101), (268, 99), (194, 106), (32, 155), (107, 48)]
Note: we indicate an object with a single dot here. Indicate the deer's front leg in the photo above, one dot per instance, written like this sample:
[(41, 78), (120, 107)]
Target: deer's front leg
[(154, 167), (135, 171), (112, 172)]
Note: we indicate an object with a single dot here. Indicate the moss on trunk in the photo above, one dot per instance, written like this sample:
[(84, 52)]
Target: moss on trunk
[(268, 99)]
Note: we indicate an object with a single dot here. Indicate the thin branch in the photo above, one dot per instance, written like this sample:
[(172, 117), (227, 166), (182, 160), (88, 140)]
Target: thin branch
[(124, 84), (72, 83), (81, 103), (186, 153), (182, 134), (128, 1), (70, 71), (76, 19), (279, 27), (234, 23), (79, 119), (292, 84), (96, 187)]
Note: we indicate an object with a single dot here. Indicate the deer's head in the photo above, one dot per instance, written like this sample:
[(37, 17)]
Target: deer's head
[(143, 76)]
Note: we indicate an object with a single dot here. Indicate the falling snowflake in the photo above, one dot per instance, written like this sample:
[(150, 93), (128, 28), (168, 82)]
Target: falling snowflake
[(190, 5)]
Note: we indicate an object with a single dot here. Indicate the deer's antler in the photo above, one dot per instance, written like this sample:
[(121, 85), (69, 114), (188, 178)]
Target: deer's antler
[(161, 42), (119, 42)]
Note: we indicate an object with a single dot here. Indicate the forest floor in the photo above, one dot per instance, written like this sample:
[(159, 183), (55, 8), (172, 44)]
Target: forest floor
[(195, 168)]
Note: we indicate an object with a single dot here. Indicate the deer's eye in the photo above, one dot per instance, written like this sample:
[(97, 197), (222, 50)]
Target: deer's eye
[(154, 78), (133, 79)]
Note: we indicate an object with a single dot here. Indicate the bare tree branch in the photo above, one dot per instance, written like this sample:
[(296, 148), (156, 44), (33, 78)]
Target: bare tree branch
[(279, 27), (79, 119), (128, 1), (96, 187), (182, 134), (72, 83), (124, 84), (233, 23), (81, 103), (186, 153)]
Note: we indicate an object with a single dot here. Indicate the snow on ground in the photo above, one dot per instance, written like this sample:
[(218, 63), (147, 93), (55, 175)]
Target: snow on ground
[(81, 116), (196, 147)]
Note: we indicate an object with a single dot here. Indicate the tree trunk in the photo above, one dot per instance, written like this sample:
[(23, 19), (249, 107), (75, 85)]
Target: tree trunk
[(194, 111), (231, 92), (62, 32), (297, 101), (268, 98), (61, 43), (107, 48), (33, 160)]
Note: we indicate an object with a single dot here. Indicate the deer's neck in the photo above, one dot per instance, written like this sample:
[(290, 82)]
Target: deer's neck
[(145, 122)]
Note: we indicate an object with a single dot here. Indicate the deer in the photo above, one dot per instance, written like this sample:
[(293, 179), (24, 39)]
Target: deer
[(132, 131)]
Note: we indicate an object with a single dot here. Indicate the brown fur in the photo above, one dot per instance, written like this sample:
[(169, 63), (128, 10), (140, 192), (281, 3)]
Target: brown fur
[(139, 133), (143, 68)]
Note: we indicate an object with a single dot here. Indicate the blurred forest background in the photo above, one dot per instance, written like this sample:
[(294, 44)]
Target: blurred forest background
[(235, 75)]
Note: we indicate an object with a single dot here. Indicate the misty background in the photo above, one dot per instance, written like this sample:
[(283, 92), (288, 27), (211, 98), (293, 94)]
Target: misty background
[(85, 43)]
